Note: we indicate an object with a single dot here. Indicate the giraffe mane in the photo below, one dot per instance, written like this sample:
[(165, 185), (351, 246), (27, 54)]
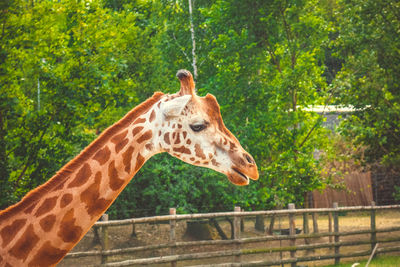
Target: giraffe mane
[(60, 177)]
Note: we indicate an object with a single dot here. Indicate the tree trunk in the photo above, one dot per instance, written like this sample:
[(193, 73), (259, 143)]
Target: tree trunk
[(259, 224)]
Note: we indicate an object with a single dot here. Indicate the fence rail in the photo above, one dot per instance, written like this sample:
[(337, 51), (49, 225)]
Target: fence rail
[(236, 245)]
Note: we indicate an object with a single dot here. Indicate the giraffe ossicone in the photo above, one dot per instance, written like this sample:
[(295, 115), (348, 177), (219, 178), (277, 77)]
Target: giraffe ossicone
[(47, 223)]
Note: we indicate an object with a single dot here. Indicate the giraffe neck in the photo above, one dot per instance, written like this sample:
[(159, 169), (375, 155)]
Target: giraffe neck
[(50, 220)]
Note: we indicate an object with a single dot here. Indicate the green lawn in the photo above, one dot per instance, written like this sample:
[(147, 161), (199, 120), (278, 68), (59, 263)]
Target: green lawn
[(380, 261)]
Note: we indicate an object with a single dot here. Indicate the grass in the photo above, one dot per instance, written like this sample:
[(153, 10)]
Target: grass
[(380, 261)]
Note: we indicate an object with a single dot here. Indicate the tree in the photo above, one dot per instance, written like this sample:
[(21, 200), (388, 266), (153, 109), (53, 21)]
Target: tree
[(368, 43)]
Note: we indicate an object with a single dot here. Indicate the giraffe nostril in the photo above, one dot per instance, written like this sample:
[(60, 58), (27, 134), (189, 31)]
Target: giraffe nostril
[(249, 159)]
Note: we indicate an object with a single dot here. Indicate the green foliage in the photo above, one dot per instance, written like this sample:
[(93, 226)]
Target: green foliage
[(369, 45)]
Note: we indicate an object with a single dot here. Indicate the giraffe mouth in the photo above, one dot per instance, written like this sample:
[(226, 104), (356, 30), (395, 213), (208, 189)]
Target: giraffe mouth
[(238, 178)]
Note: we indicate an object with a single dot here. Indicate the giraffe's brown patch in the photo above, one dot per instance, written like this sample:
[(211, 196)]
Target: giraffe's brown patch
[(173, 126), (166, 138), (119, 137), (184, 133), (173, 135), (158, 105), (225, 141), (127, 158), (65, 200), (149, 146), (188, 142), (182, 149), (159, 133), (136, 130), (115, 182), (25, 244), (178, 139), (47, 255), (29, 209), (60, 185), (232, 146), (69, 232), (121, 145), (146, 136), (10, 231), (139, 162), (82, 176), (120, 141), (215, 163), (199, 152), (95, 204), (152, 116), (179, 126), (197, 162), (192, 159), (47, 222), (47, 205), (103, 155), (140, 120), (206, 162)]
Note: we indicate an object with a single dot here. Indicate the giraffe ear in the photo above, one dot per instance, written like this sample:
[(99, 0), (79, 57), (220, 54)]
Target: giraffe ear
[(187, 82), (175, 106)]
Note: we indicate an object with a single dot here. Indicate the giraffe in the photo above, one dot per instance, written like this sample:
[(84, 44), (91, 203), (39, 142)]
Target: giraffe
[(46, 224)]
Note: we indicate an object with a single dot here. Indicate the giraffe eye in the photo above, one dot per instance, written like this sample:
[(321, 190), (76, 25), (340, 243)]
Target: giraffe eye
[(197, 127)]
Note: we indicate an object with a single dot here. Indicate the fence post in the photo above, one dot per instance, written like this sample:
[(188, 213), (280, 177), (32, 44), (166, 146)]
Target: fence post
[(236, 234), (373, 225), (330, 226), (172, 237), (336, 231), (105, 244), (292, 232)]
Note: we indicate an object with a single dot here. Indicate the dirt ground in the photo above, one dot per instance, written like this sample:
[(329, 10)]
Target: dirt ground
[(153, 234)]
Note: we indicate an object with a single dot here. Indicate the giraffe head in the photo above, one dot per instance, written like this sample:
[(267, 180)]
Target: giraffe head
[(193, 131)]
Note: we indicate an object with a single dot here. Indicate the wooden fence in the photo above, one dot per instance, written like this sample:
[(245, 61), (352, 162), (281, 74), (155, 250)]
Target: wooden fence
[(293, 248)]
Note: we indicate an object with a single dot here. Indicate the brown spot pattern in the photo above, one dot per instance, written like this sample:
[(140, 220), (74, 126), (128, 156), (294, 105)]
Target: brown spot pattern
[(29, 209), (139, 162), (103, 155), (178, 139), (10, 231), (215, 163), (47, 222), (188, 142), (140, 120), (60, 185), (82, 176), (65, 200), (119, 137), (47, 205), (184, 134), (149, 146), (136, 130), (166, 138), (47, 255), (146, 136), (91, 197), (182, 149), (25, 244), (115, 182), (152, 116), (69, 232), (120, 141), (199, 152), (121, 145), (127, 158)]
